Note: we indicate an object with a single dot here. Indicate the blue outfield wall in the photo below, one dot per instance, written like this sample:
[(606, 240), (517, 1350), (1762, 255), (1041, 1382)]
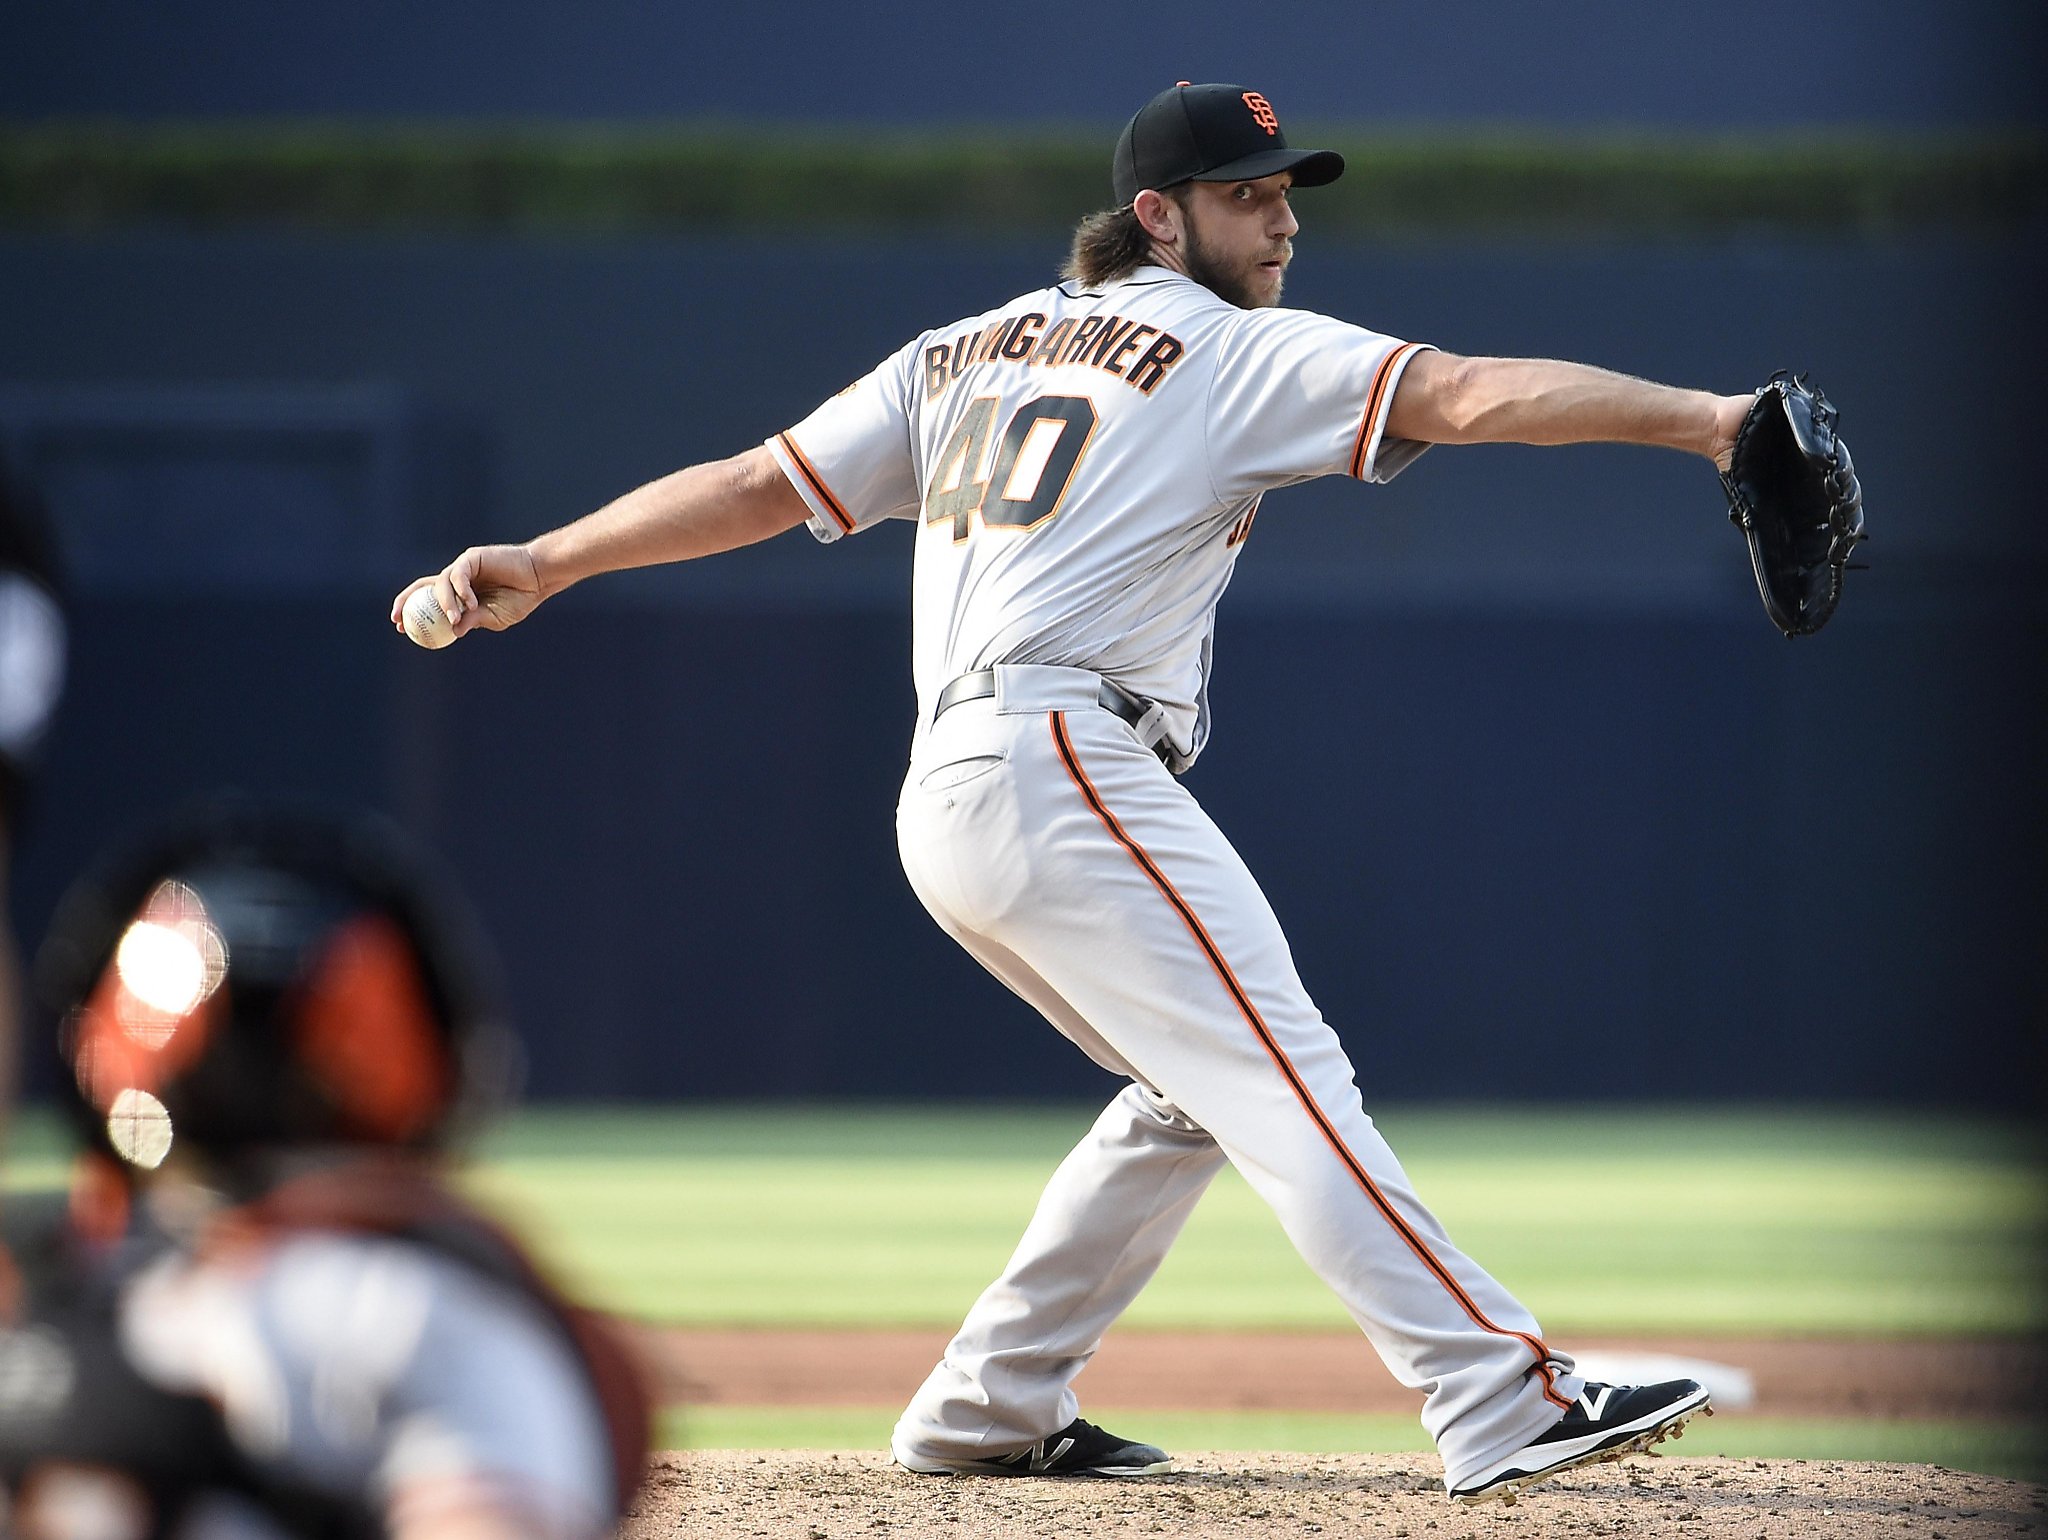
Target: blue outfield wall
[(1547, 808), (1595, 63)]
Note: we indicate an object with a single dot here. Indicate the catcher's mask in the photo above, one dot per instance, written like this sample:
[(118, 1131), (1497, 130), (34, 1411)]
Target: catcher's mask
[(253, 980)]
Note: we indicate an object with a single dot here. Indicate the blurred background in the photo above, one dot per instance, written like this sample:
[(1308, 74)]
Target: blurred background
[(296, 301)]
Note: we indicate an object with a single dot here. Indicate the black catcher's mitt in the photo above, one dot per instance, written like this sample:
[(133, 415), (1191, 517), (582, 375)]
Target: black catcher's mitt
[(1792, 491)]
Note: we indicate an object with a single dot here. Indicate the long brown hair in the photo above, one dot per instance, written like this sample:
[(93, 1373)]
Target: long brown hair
[(1111, 244)]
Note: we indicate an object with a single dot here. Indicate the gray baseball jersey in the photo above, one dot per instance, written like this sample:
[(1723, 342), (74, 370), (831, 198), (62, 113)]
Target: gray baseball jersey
[(1087, 466)]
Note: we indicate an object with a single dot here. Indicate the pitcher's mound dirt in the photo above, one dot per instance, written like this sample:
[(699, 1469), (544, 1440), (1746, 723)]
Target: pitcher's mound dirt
[(799, 1495)]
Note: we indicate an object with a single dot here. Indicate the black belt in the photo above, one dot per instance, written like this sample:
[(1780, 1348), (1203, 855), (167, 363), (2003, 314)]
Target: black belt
[(981, 684)]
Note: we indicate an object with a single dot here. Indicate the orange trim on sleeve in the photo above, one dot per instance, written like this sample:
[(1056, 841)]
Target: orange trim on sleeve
[(810, 474), (1381, 377), (1064, 745)]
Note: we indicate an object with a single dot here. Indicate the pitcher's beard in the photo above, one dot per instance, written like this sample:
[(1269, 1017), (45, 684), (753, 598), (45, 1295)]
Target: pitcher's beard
[(1234, 284)]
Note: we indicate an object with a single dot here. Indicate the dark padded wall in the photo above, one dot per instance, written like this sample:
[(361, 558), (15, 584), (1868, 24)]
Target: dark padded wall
[(1595, 63), (1523, 768)]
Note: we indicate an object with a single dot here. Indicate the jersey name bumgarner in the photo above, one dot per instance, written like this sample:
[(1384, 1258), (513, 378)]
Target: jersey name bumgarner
[(1106, 342)]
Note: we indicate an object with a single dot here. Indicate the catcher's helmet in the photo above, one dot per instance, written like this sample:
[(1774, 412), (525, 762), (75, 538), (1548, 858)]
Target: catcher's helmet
[(253, 980)]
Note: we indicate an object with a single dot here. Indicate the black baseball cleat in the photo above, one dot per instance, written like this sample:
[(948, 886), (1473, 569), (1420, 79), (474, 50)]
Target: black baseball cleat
[(1078, 1449), (1605, 1423)]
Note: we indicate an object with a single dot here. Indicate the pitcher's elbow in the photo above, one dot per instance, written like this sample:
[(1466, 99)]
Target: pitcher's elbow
[(1462, 402)]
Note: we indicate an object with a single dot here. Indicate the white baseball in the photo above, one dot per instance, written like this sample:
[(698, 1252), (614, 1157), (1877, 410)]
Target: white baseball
[(424, 622)]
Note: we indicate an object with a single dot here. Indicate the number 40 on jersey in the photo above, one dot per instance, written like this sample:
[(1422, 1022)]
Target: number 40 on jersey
[(1041, 445)]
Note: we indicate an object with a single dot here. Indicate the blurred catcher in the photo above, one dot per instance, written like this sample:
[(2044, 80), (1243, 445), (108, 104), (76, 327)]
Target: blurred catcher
[(271, 1034)]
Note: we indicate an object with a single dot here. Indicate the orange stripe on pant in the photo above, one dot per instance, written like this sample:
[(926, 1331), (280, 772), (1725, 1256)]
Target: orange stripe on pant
[(1063, 744)]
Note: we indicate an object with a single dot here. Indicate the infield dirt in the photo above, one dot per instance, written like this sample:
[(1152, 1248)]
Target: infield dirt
[(813, 1495), (798, 1495)]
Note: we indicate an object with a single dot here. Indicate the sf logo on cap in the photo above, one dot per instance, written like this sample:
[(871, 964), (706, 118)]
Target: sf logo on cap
[(1262, 112)]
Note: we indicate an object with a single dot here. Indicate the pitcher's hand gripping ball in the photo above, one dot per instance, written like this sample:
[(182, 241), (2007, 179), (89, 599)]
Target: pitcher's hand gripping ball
[(1792, 491), (424, 621)]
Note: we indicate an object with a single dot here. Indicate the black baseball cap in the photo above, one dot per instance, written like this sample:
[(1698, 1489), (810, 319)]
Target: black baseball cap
[(1211, 133)]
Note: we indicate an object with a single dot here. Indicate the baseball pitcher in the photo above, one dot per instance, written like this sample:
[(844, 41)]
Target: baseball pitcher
[(1084, 465)]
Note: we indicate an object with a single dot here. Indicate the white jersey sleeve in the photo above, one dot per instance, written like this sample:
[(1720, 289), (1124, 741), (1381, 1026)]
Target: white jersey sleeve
[(852, 460), (1298, 395)]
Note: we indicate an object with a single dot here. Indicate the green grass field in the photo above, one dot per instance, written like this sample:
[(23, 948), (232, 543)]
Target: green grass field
[(1796, 1222), (1793, 1222)]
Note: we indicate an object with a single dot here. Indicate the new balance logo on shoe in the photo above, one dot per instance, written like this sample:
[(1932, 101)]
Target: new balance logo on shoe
[(1078, 1449), (1038, 1459), (1604, 1423)]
